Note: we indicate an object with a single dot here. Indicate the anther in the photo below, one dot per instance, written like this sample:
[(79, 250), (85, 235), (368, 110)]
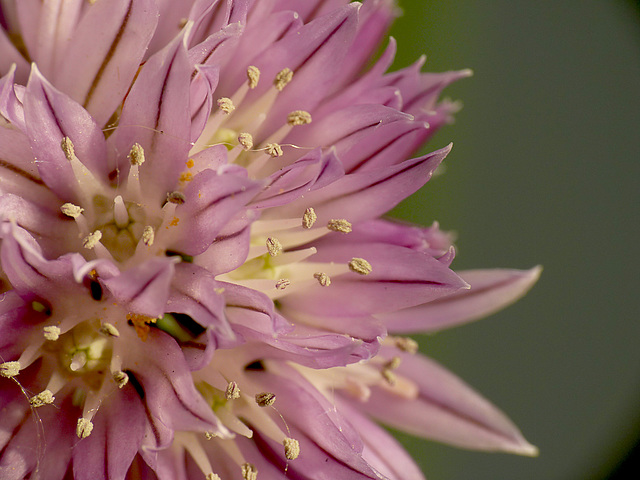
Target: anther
[(393, 363), (148, 235), (389, 376), (51, 333), (120, 378), (109, 330), (212, 476), (67, 147), (283, 283), (136, 155), (43, 398), (406, 344), (274, 247), (177, 198), (71, 210), (249, 471), (298, 117), (339, 225), (9, 369), (360, 265), (309, 218), (84, 428), (246, 140), (226, 105), (233, 391), (253, 75), (291, 448), (323, 279), (91, 240), (274, 149), (265, 399), (283, 77)]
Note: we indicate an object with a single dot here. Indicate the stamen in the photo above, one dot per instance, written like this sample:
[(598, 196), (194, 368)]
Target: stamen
[(406, 344), (148, 235), (246, 140), (291, 448), (265, 399), (91, 240), (283, 283), (121, 378), (323, 279), (9, 369), (309, 218), (109, 330), (43, 398), (274, 246), (226, 105), (51, 333), (283, 77), (253, 75), (85, 178), (84, 428), (249, 471), (339, 225), (136, 155), (120, 213), (176, 198), (360, 265), (233, 391), (299, 117), (71, 210), (274, 150), (212, 476), (78, 361)]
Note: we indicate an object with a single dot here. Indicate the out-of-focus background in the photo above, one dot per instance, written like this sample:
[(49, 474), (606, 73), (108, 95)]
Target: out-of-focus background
[(545, 170)]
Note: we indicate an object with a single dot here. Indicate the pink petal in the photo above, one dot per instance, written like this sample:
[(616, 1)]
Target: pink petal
[(446, 410), (104, 54), (491, 290)]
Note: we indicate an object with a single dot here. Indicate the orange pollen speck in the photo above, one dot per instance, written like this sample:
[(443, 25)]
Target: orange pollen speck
[(173, 222), (186, 176), (190, 163), (141, 324)]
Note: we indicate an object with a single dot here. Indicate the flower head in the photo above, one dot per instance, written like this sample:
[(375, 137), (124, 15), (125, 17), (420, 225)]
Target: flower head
[(195, 279)]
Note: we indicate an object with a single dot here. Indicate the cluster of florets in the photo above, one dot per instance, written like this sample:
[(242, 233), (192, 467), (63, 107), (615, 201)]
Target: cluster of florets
[(195, 279)]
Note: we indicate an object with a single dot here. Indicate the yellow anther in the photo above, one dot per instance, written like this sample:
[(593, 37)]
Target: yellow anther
[(309, 218), (283, 77), (339, 225), (253, 75), (291, 448), (265, 399), (233, 391), (246, 140), (136, 155), (298, 117), (360, 265), (274, 150), (84, 428), (274, 247), (226, 105), (323, 279)]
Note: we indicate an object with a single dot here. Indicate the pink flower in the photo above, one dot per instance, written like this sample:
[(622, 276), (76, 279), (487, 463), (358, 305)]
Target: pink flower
[(196, 281)]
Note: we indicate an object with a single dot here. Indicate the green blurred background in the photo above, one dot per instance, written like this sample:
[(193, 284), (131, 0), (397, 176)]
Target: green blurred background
[(544, 170)]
